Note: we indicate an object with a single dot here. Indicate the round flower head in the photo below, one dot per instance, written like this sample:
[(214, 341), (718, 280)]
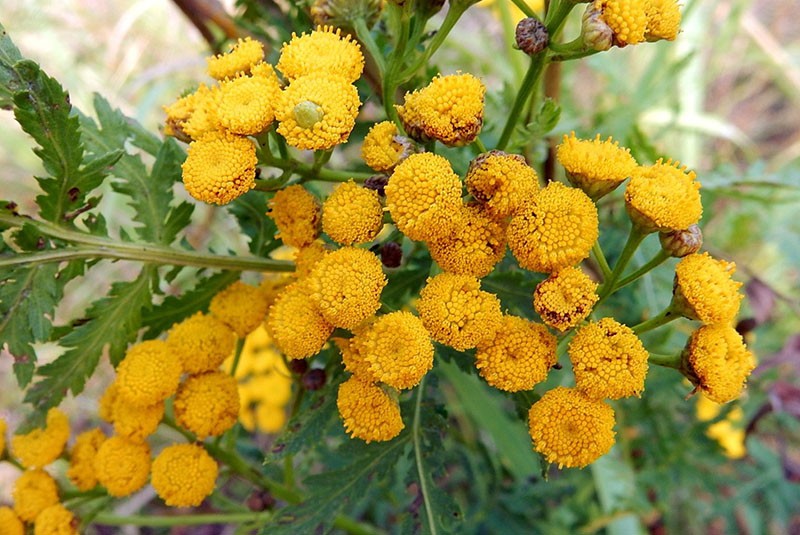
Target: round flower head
[(626, 18), (220, 167), (502, 182), (324, 50), (247, 104), (353, 358), (184, 475), (368, 412), (177, 114), (318, 111), (457, 312), (135, 422), (704, 289), (555, 230), (241, 307), (296, 213), (307, 257), (352, 214), (477, 244), (449, 109), (382, 148), (422, 194), (268, 418), (717, 362), (271, 388), (207, 404), (81, 459), (663, 197), (597, 167), (565, 298), (571, 429), (296, 325), (149, 373), (34, 491), (11, 523), (519, 355), (41, 447), (55, 520), (239, 60), (663, 20), (609, 360), (201, 342), (122, 466)]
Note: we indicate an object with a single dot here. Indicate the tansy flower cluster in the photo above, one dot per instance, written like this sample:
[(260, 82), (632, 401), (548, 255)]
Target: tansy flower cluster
[(630, 22)]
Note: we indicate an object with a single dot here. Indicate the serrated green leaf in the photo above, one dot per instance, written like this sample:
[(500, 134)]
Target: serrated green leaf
[(9, 82), (249, 210), (514, 289)]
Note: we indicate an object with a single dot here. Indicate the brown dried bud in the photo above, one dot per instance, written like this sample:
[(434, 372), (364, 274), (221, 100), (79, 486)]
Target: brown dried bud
[(391, 254), (532, 36), (314, 379), (377, 183), (298, 366), (680, 243), (341, 13), (597, 35)]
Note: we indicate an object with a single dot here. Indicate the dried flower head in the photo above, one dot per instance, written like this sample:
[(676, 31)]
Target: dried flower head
[(368, 412), (565, 298), (663, 197), (207, 404), (352, 214), (241, 57), (324, 50), (704, 289), (502, 182), (597, 167), (183, 475), (717, 361), (296, 213), (122, 466), (220, 167), (240, 306)]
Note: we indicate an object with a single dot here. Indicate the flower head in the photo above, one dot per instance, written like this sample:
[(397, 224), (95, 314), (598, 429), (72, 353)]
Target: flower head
[(81, 459), (704, 289), (34, 491), (241, 307), (149, 373), (449, 109), (626, 18), (207, 404), (307, 257), (383, 148), (318, 111), (296, 325), (368, 412), (220, 167), (565, 298), (609, 360), (555, 230), (571, 429), (457, 312), (597, 167), (352, 214), (136, 422), (238, 60), (41, 447), (183, 475), (11, 523), (663, 197), (502, 182), (324, 50), (422, 194), (122, 465), (717, 362), (663, 20), (296, 213), (200, 342), (192, 115), (247, 104), (518, 356), (55, 520)]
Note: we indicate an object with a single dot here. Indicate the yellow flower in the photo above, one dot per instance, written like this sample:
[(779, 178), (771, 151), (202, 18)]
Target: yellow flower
[(149, 373), (368, 412), (307, 257), (609, 360), (269, 418), (247, 104), (41, 447), (241, 57), (296, 325), (105, 407), (555, 230), (663, 20), (353, 359), (717, 362), (220, 167), (122, 466), (663, 197), (194, 115), (565, 298), (571, 429), (3, 427), (207, 404), (11, 523), (519, 355), (184, 475), (81, 460), (274, 388), (477, 244), (422, 194), (449, 109), (200, 342), (136, 422), (324, 50), (457, 312), (317, 111), (55, 520), (727, 432), (34, 491), (241, 307), (704, 289), (296, 213), (626, 18), (502, 182), (346, 286), (381, 149), (352, 214), (597, 167)]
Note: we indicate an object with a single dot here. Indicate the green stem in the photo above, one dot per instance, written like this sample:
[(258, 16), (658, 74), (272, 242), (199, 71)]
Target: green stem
[(654, 262), (525, 8), (423, 482), (453, 14), (479, 145), (529, 84), (662, 318), (557, 14), (237, 356), (181, 520), (635, 238), (365, 36), (307, 172), (667, 361), (601, 260)]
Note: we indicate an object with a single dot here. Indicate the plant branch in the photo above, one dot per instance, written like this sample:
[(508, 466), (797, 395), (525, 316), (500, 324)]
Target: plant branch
[(662, 318), (423, 483), (653, 263), (182, 520), (529, 84)]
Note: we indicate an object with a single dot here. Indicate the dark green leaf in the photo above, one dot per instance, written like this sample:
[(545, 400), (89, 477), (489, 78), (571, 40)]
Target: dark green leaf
[(249, 210), (9, 82), (514, 289)]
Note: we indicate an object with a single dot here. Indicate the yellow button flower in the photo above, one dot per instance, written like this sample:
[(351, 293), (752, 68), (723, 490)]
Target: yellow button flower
[(609, 360), (663, 197), (663, 20), (149, 373), (728, 432), (11, 523), (201, 342), (241, 57), (381, 149), (571, 429), (34, 491), (565, 298), (449, 109), (183, 475), (352, 214), (353, 358), (555, 230), (241, 307), (41, 447), (717, 362), (81, 460), (247, 104), (422, 194), (136, 422), (307, 257), (324, 50), (368, 412), (55, 520), (519, 355), (597, 167), (207, 404), (626, 18), (704, 289), (457, 312), (502, 182), (220, 167), (296, 213), (295, 323), (122, 466)]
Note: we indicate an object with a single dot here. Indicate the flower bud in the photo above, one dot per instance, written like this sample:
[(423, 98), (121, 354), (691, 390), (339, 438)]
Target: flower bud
[(377, 183), (341, 13), (597, 35), (298, 366), (680, 243), (391, 254), (314, 379), (428, 8), (532, 36), (307, 114)]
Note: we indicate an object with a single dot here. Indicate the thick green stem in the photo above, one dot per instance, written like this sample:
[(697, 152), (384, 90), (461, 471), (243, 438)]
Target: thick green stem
[(601, 260), (665, 316), (525, 8), (654, 262), (635, 238), (447, 25), (108, 519), (365, 36), (557, 14), (423, 482), (529, 84), (478, 144), (667, 361), (237, 356)]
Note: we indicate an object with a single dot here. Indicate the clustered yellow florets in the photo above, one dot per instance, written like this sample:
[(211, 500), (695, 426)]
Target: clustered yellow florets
[(41, 447), (34, 491), (55, 520), (704, 289), (380, 149), (241, 307), (122, 465), (352, 214), (307, 257), (663, 20), (368, 412), (201, 342), (597, 167), (295, 323), (663, 197), (238, 60), (504, 183), (717, 362), (247, 104), (136, 422), (149, 373), (81, 460), (220, 167), (323, 50), (476, 245), (207, 404), (11, 522), (296, 213), (565, 298), (626, 18), (183, 475)]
